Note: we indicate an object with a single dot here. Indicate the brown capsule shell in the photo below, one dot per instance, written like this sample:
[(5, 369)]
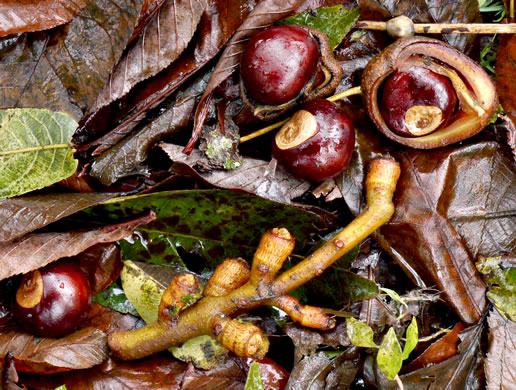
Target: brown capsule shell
[(477, 105)]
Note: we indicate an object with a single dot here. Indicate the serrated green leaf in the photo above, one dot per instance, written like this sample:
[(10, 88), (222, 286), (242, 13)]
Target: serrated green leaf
[(334, 21), (411, 339), (210, 224), (389, 357), (359, 333), (114, 298), (254, 378), (34, 149)]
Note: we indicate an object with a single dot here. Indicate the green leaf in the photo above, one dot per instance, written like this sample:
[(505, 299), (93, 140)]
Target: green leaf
[(502, 283), (360, 334), (254, 378), (115, 298), (389, 357), (334, 21), (62, 387), (411, 339), (34, 149), (208, 225), (394, 296)]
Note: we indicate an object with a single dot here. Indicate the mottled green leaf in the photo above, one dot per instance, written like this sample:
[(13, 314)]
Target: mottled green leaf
[(194, 226), (389, 357), (34, 149), (360, 333), (115, 298), (334, 21), (501, 277), (254, 378), (411, 339)]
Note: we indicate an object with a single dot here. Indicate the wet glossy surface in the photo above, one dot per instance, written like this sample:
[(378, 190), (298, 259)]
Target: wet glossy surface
[(65, 303), (326, 153), (416, 87), (277, 63)]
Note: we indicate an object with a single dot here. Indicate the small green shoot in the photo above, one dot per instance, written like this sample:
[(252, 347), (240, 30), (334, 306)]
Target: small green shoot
[(254, 378)]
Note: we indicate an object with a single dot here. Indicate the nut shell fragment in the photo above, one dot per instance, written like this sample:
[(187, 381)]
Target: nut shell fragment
[(475, 90)]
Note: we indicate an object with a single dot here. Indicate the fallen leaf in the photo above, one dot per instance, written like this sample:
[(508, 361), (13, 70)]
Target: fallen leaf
[(82, 349), (103, 264), (161, 42), (36, 15), (255, 176), (500, 363), (35, 151), (65, 68), (25, 214), (36, 250), (505, 74)]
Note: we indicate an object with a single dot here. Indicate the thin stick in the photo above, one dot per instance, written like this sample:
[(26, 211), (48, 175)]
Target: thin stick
[(341, 95), (446, 28)]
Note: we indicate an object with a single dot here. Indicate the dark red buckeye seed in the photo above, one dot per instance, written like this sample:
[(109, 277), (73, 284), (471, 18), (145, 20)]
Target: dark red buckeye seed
[(417, 102), (317, 143), (54, 300), (277, 63)]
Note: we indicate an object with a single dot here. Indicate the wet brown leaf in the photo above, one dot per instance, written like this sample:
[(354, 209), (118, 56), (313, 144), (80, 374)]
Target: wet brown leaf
[(161, 42), (500, 363), (103, 265), (506, 74), (258, 177), (228, 376), (25, 214), (38, 249), (263, 15), (36, 15), (133, 150), (215, 28), (439, 351), (160, 372), (65, 69), (452, 205), (462, 371), (108, 320), (83, 349)]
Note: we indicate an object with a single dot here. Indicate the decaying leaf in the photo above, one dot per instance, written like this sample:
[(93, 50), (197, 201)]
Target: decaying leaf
[(255, 176), (500, 364), (38, 249), (35, 15), (34, 149), (25, 214), (83, 349), (505, 74), (161, 42)]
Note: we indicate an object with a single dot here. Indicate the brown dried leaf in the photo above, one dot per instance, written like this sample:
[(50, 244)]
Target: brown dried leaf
[(226, 376), (500, 364), (65, 69), (36, 15), (25, 214), (161, 42), (263, 15), (38, 249), (103, 265), (255, 176), (506, 74), (456, 203), (108, 320), (215, 28), (82, 349), (129, 153), (160, 372)]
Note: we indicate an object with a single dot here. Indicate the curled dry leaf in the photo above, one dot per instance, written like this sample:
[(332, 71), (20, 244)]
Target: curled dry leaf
[(25, 214), (256, 176), (161, 42), (82, 349), (263, 15), (36, 15), (36, 250)]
